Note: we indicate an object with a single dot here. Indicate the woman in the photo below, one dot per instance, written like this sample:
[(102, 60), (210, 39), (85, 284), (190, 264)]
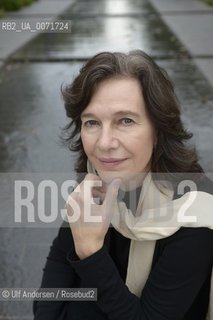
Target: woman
[(154, 261)]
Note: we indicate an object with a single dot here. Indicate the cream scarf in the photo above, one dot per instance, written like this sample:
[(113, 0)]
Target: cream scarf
[(158, 221)]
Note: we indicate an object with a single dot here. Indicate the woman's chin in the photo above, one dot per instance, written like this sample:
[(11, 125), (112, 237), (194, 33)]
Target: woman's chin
[(108, 176), (130, 181)]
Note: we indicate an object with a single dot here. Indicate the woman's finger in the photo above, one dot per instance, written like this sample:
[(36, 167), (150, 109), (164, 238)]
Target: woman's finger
[(112, 193), (96, 193)]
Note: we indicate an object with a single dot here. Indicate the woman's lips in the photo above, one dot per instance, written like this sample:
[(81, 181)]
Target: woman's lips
[(111, 162)]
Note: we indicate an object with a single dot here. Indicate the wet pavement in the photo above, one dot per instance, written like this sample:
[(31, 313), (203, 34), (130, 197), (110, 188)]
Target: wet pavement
[(102, 26), (31, 111), (192, 22)]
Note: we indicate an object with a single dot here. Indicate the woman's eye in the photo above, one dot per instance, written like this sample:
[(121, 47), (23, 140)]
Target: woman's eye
[(90, 123), (126, 121)]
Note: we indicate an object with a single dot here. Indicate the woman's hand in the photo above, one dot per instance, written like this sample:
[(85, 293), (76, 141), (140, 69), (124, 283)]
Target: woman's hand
[(94, 219)]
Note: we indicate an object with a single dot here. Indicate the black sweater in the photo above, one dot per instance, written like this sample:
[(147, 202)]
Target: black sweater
[(177, 288)]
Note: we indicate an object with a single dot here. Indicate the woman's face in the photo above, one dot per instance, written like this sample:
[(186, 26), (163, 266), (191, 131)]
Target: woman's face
[(116, 132)]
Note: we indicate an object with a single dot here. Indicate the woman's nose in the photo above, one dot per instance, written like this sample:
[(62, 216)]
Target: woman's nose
[(107, 139)]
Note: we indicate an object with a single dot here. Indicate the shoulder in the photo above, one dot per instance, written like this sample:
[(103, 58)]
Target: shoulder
[(201, 234), (193, 182), (205, 185), (189, 248), (198, 241)]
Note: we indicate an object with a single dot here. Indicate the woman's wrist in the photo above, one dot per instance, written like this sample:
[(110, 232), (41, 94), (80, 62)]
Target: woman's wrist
[(87, 249)]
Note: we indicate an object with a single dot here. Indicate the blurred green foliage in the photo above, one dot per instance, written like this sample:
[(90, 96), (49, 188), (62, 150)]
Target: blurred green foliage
[(10, 5), (1, 13), (210, 2)]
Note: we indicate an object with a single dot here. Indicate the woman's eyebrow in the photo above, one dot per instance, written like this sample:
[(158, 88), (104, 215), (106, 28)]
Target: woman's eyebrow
[(127, 113), (118, 113), (87, 115)]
